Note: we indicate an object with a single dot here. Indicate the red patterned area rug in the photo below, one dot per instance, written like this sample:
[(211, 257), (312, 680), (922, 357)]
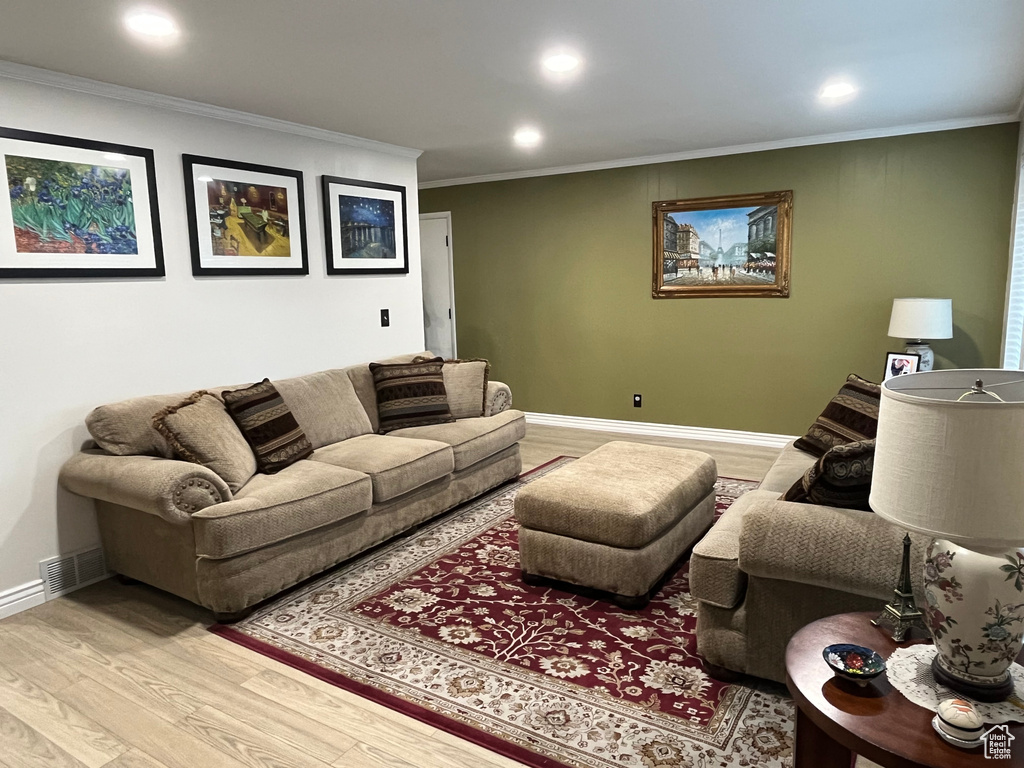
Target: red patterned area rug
[(438, 626)]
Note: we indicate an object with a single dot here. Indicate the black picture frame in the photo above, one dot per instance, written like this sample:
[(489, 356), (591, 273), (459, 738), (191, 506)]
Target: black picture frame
[(333, 188), (214, 264), (894, 365), (109, 156)]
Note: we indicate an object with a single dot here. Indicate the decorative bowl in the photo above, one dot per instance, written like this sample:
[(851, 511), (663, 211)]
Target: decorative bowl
[(854, 662)]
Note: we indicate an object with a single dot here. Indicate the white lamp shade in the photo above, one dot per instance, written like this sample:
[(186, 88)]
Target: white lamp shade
[(921, 319), (953, 470)]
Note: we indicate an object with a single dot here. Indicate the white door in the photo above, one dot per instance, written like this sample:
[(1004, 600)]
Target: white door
[(438, 284)]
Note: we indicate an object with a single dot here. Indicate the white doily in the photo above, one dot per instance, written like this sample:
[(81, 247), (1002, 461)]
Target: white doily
[(910, 672)]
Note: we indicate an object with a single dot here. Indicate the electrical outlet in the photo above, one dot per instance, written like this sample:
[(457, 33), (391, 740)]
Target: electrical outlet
[(385, 318), (637, 401)]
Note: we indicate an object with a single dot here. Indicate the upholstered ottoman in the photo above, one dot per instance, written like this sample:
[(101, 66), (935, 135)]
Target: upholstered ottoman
[(617, 519)]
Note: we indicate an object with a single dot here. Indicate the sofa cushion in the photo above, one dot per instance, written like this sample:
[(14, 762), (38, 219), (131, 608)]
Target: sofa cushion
[(473, 440), (715, 575), (201, 431), (271, 508), (465, 381), (840, 478), (362, 382), (126, 428), (852, 415), (787, 469), (326, 406), (396, 465), (268, 426), (622, 494), (410, 394)]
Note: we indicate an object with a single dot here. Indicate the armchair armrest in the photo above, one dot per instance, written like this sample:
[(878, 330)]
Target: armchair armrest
[(498, 398), (165, 487), (843, 549)]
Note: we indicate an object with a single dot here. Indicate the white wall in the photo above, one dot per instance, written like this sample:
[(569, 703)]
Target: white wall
[(69, 345)]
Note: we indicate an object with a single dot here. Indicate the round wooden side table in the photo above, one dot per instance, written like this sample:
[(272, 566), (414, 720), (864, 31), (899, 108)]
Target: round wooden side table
[(837, 719)]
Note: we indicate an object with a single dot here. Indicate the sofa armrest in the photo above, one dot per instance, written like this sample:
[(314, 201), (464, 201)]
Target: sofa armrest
[(843, 549), (165, 487), (497, 399)]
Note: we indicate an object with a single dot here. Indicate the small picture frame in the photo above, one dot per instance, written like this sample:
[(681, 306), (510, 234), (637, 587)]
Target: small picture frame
[(901, 364), (364, 227), (77, 208), (244, 218)]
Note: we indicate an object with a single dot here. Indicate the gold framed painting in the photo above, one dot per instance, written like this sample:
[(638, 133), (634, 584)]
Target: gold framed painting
[(737, 245)]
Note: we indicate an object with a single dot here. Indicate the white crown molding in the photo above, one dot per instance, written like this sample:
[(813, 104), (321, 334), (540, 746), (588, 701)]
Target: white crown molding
[(12, 71), (660, 430), (737, 149), (22, 598)]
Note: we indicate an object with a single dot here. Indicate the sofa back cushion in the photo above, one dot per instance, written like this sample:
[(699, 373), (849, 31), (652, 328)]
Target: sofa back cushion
[(326, 406), (362, 382), (126, 428), (465, 381)]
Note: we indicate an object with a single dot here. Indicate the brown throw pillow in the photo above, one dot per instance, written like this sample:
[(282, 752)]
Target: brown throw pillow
[(200, 430), (268, 426), (840, 478), (851, 416), (410, 394), (465, 381)]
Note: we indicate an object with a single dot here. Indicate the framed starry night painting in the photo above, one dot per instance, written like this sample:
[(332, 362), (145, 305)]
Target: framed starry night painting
[(364, 227)]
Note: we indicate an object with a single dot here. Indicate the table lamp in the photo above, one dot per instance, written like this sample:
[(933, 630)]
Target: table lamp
[(919, 319), (949, 463)]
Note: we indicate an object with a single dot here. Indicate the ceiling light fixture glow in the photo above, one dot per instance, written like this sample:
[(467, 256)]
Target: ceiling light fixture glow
[(526, 137), (561, 62), (152, 25), (837, 90)]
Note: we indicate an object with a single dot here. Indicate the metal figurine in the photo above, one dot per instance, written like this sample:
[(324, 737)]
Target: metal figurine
[(901, 613)]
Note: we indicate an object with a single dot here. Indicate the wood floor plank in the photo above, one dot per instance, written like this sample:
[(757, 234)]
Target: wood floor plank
[(364, 755), (134, 758), (323, 742), (45, 670), (67, 616), (246, 744), (24, 747), (65, 726), (325, 709), (214, 658), (140, 728), (128, 674)]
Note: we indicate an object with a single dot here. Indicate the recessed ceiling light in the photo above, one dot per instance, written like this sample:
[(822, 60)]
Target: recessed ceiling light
[(114, 156), (526, 137), (151, 25), (837, 90), (561, 62)]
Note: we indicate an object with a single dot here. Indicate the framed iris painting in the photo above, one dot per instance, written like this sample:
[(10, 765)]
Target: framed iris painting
[(77, 208), (244, 219), (364, 226), (735, 246)]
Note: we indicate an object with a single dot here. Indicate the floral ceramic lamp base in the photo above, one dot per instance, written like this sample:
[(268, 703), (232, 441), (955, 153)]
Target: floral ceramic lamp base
[(974, 609), (918, 347)]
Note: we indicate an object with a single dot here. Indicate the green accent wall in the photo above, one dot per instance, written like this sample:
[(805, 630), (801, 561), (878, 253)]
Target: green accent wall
[(553, 278)]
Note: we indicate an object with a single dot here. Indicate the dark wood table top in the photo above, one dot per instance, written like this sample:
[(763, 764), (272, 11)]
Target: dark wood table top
[(875, 721)]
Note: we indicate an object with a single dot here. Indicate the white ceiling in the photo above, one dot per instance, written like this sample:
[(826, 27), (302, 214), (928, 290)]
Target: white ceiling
[(456, 77)]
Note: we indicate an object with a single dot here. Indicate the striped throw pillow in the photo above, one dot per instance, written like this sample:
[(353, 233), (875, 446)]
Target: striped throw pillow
[(268, 426), (840, 478), (410, 394), (851, 416)]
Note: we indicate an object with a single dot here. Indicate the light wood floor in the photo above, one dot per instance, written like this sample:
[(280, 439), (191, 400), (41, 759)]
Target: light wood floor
[(128, 677)]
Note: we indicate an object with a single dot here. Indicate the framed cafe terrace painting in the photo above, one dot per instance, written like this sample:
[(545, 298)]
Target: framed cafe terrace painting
[(735, 246), (364, 227), (77, 208), (244, 219)]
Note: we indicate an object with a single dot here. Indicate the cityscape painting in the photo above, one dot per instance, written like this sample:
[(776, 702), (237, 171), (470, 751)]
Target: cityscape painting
[(364, 227), (726, 246)]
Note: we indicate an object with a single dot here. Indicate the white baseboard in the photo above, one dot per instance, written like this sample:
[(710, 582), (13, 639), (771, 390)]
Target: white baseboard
[(21, 598), (660, 430)]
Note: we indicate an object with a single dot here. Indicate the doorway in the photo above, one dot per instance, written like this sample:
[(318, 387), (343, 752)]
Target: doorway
[(438, 284)]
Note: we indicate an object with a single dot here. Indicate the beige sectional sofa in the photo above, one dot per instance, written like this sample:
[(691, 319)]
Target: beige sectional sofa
[(177, 526), (769, 567)]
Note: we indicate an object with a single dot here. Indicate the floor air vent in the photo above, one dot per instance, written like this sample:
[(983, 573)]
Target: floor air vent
[(66, 573)]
